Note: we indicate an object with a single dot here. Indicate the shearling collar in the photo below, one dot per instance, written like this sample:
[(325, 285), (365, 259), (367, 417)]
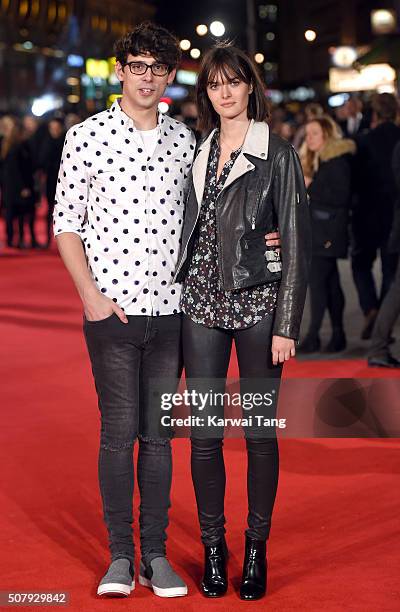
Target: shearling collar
[(256, 142), (335, 147)]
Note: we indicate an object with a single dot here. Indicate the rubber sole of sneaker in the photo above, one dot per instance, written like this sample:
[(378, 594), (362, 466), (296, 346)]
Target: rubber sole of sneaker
[(115, 589), (171, 592)]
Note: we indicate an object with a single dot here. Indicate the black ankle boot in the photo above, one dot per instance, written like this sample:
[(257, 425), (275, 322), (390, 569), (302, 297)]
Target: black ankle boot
[(254, 577), (215, 579), (337, 342), (310, 344)]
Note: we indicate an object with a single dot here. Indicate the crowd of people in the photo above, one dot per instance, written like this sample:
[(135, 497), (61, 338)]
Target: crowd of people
[(30, 154), (351, 167), (351, 162)]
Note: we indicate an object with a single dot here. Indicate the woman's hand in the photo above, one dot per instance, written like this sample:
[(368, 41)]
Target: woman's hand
[(282, 349)]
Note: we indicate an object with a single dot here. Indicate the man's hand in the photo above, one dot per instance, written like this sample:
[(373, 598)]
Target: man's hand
[(273, 239), (98, 307), (282, 349)]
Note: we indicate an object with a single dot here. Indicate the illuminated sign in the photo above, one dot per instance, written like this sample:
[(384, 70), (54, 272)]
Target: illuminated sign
[(176, 92), (186, 77), (97, 68), (75, 61), (371, 77)]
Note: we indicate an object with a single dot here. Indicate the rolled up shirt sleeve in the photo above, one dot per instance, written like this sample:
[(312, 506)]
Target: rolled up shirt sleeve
[(72, 188)]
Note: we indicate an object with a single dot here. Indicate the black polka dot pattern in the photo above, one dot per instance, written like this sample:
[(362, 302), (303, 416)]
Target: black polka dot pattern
[(126, 204)]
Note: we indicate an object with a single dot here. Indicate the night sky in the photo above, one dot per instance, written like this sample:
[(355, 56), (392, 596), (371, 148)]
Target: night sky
[(181, 17)]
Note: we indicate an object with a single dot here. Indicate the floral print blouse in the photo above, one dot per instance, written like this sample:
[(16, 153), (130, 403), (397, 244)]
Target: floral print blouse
[(203, 299)]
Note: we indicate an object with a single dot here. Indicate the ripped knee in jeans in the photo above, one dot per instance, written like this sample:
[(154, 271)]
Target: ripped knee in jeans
[(154, 441), (117, 446)]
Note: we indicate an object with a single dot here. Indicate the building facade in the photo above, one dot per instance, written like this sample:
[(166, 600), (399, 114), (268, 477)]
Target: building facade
[(335, 22), (44, 46)]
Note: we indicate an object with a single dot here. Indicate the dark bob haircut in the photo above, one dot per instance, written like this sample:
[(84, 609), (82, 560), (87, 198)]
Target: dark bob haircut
[(149, 39), (230, 62)]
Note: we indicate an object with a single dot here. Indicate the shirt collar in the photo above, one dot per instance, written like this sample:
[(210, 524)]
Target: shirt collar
[(127, 122)]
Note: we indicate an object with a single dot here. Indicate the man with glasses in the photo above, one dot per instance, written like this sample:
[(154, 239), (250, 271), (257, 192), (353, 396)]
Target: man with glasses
[(117, 222)]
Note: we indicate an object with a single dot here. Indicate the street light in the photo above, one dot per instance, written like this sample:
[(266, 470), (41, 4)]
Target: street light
[(344, 56), (217, 28), (201, 30), (259, 58), (163, 107), (310, 35), (185, 44), (195, 53), (383, 21)]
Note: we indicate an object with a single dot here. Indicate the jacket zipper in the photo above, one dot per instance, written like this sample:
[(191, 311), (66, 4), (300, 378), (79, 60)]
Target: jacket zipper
[(219, 241), (256, 207), (219, 234)]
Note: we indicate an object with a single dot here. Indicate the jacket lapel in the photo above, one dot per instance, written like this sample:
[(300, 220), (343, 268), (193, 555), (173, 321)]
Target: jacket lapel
[(240, 167), (199, 169), (256, 143)]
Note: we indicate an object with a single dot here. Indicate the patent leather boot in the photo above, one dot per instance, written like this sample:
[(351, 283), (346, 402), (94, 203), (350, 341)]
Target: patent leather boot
[(215, 579), (254, 577)]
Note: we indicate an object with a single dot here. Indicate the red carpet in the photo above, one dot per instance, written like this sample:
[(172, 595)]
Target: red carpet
[(335, 539)]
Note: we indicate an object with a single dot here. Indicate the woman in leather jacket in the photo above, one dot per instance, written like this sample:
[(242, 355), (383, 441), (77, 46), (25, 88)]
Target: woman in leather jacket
[(245, 182)]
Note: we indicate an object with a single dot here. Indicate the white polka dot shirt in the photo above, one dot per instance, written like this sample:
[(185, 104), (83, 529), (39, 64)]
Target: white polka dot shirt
[(127, 207)]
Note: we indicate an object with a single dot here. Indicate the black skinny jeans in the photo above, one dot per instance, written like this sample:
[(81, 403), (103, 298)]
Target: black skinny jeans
[(206, 355), (325, 293), (386, 319), (127, 359), (362, 262)]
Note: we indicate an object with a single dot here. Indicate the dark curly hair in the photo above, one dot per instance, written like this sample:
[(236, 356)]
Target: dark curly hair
[(149, 39)]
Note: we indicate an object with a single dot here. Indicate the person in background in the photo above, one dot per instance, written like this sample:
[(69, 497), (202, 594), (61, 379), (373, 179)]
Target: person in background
[(11, 137), (327, 169), (312, 111), (30, 126), (287, 131), (353, 122), (379, 354), (72, 119), (373, 212), (1, 165), (189, 116), (17, 182), (50, 162), (33, 132)]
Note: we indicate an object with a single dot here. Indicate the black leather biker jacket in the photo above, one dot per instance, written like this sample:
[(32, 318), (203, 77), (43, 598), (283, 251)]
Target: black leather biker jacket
[(265, 190)]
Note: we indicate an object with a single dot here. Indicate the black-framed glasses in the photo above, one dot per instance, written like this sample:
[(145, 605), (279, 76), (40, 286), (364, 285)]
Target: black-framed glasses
[(139, 68)]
